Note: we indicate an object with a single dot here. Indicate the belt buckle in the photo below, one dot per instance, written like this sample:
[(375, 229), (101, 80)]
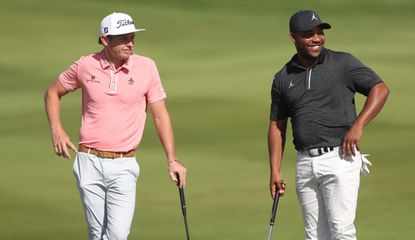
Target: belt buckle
[(314, 152)]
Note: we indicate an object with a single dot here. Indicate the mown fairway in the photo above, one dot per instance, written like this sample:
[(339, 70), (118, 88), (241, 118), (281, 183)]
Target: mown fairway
[(216, 59)]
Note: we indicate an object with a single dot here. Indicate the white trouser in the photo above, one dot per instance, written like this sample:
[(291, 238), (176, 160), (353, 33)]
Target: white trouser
[(327, 188), (108, 190)]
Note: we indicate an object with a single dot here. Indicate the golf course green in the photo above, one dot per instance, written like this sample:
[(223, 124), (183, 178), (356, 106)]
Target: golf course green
[(217, 59)]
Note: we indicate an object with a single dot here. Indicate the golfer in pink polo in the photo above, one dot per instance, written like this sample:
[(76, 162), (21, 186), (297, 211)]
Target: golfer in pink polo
[(117, 88)]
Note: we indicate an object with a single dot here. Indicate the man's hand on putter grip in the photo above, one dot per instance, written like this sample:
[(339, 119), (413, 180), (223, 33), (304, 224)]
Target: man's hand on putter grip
[(277, 183), (61, 141), (177, 169)]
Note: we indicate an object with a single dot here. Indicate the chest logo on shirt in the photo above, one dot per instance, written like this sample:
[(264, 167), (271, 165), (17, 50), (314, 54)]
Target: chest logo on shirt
[(131, 81), (92, 79), (291, 85)]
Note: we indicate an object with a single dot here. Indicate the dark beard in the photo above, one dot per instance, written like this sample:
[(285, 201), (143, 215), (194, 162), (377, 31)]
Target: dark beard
[(304, 59)]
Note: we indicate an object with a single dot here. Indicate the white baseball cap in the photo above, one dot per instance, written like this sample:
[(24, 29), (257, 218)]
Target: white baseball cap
[(117, 24)]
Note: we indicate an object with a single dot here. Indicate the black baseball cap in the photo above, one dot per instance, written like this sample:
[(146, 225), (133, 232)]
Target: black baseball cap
[(306, 20)]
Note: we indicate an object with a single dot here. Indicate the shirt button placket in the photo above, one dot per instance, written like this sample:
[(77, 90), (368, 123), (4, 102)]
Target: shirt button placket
[(113, 81)]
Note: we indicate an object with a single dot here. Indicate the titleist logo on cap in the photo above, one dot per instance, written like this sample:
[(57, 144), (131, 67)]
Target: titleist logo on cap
[(124, 22), (117, 24)]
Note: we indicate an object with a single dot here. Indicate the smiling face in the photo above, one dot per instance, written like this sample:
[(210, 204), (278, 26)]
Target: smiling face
[(118, 48), (309, 45)]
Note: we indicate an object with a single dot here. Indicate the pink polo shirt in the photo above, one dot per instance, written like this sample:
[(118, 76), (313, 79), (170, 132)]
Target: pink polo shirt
[(114, 102)]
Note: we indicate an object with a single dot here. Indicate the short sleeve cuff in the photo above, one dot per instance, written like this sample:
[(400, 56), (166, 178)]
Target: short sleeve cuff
[(157, 99)]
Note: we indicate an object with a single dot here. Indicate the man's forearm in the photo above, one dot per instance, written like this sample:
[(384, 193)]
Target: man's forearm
[(52, 100), (52, 108), (165, 133), (373, 105), (60, 139), (276, 143), (164, 129)]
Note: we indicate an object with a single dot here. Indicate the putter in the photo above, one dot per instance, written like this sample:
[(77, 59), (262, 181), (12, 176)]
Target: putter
[(273, 213), (183, 205)]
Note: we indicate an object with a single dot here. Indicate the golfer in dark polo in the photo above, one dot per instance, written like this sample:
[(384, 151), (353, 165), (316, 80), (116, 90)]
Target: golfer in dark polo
[(316, 89)]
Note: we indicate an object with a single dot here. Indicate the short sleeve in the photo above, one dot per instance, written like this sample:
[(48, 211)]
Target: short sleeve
[(156, 90), (69, 78), (360, 78), (279, 108)]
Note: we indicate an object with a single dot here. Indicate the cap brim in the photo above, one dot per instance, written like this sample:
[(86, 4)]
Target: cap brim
[(309, 28), (136, 30), (322, 25), (325, 25)]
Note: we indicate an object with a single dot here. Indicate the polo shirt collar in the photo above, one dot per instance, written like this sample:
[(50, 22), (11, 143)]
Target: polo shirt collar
[(106, 64), (319, 60)]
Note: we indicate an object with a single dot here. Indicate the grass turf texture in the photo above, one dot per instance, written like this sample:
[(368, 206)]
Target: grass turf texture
[(216, 59)]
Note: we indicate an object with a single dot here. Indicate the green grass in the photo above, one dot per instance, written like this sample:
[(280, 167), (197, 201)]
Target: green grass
[(216, 59)]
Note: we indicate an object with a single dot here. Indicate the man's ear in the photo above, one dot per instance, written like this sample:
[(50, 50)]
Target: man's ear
[(292, 37), (105, 41)]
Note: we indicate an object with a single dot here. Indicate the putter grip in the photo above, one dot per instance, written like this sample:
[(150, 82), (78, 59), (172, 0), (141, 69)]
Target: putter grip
[(274, 208), (182, 198), (182, 201)]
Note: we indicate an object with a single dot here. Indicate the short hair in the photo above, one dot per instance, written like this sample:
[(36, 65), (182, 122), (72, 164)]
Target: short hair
[(99, 38)]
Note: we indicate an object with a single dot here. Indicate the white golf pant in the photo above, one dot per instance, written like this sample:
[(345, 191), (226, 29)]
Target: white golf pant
[(327, 189), (108, 190)]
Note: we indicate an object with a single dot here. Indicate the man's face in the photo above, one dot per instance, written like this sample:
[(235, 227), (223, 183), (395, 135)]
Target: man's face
[(120, 47), (309, 44)]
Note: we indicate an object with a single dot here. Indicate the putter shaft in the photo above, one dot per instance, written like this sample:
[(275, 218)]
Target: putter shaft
[(273, 213), (183, 206), (269, 233)]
